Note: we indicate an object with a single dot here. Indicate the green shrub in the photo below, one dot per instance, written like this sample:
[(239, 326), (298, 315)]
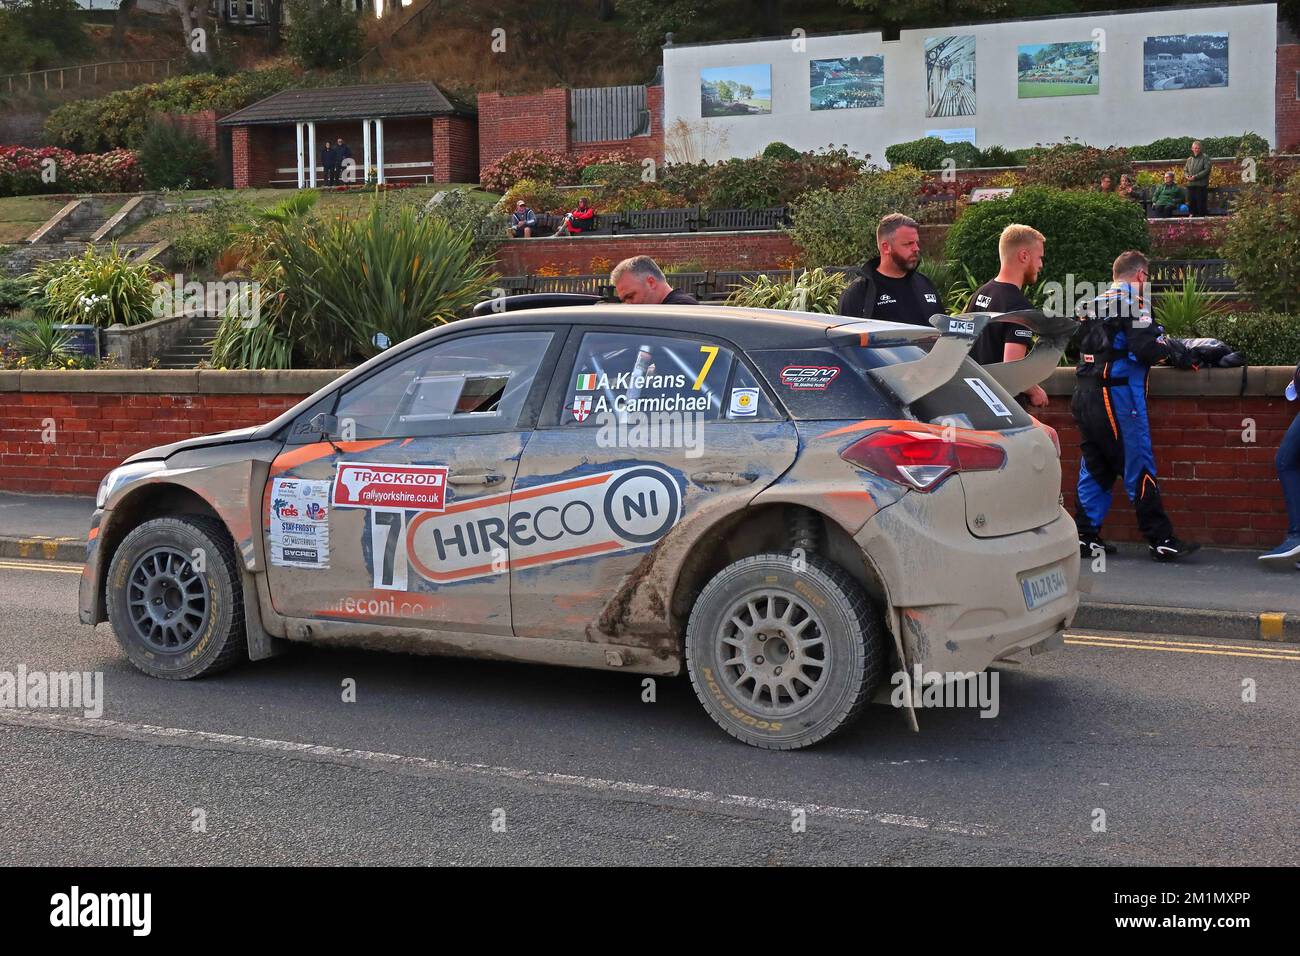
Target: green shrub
[(686, 179), (458, 209), (781, 151), (612, 175), (1180, 309), (1084, 232), (539, 196), (551, 167), (839, 228), (323, 35), (1262, 245), (43, 344), (1170, 147), (329, 285), (1073, 165), (746, 184), (1267, 338), (171, 158), (813, 291), (997, 156), (97, 288), (644, 196), (924, 153), (15, 294), (199, 238)]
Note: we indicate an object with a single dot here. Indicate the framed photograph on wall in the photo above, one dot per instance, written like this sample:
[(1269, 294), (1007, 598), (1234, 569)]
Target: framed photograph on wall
[(1185, 61), (950, 76), (1058, 69), (845, 83), (736, 90)]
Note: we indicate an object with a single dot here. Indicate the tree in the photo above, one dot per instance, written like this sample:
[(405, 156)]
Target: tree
[(120, 23), (323, 35)]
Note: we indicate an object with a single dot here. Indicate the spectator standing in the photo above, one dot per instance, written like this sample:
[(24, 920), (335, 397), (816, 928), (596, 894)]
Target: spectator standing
[(522, 221), (342, 152), (1288, 472), (580, 220), (1167, 198), (1197, 170), (1020, 252), (1119, 344), (889, 287), (640, 281), (328, 164)]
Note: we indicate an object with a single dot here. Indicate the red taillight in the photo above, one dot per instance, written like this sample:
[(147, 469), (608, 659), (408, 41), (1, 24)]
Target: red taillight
[(921, 459)]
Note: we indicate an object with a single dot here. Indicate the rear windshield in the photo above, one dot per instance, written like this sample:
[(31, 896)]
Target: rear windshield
[(832, 383)]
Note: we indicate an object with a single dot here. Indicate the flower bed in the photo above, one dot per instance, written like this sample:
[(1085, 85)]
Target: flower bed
[(24, 171)]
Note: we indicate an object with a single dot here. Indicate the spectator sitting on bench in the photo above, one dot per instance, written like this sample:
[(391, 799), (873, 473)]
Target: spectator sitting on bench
[(1129, 189), (580, 220), (1169, 198), (1107, 184), (522, 221)]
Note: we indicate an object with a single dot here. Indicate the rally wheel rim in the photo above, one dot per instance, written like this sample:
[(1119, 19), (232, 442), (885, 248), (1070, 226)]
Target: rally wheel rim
[(773, 653), (168, 600)]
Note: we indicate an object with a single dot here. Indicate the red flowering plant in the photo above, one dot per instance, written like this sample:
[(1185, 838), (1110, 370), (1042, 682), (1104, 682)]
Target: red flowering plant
[(1186, 239), (48, 169)]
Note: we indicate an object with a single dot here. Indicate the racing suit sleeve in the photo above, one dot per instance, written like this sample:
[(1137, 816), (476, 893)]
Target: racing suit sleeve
[(1150, 346)]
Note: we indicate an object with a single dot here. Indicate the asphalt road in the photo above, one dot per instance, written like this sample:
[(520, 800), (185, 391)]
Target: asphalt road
[(453, 761)]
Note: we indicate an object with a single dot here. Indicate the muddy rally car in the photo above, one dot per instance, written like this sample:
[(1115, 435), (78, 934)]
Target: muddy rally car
[(792, 508)]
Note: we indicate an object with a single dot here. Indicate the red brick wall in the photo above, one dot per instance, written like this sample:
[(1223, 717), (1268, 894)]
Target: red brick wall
[(541, 121), (252, 156), (1217, 489), (95, 431), (718, 250), (1288, 107), (455, 149), (753, 250)]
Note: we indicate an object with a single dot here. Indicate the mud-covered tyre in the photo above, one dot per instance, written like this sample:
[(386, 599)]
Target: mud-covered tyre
[(175, 599), (781, 657)]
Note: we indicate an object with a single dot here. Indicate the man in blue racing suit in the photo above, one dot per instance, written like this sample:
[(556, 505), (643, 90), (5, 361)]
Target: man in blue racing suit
[(1120, 342)]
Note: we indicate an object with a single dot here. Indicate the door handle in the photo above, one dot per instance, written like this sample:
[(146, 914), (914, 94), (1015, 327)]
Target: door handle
[(723, 477), (487, 478)]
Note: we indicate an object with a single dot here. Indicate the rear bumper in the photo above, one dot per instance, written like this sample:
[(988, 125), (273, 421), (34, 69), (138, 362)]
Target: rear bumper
[(958, 598)]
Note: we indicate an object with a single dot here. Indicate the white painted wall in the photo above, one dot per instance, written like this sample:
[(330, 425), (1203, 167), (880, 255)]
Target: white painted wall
[(1122, 113)]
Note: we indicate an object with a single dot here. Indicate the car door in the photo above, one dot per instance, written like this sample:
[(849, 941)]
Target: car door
[(644, 435), (399, 518)]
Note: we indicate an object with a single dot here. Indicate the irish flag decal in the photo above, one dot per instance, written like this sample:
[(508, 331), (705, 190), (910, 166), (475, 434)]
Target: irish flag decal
[(586, 383)]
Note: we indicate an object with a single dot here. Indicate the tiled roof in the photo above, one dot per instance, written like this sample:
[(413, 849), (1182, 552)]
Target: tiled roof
[(378, 101)]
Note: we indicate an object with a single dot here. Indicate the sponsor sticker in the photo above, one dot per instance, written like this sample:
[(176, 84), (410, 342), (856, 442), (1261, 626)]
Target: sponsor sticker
[(539, 525), (994, 403), (744, 402), (809, 377), (419, 487), (298, 531), (982, 301), (961, 327)]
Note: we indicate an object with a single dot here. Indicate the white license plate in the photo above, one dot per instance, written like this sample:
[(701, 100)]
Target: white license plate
[(1044, 587)]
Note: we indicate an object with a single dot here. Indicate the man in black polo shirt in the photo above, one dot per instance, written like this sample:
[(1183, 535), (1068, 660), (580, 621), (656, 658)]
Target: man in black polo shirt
[(1020, 251), (640, 281), (888, 287)]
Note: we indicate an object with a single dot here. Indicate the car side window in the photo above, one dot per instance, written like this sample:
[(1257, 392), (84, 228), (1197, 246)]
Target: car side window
[(623, 373), (473, 384), (747, 400)]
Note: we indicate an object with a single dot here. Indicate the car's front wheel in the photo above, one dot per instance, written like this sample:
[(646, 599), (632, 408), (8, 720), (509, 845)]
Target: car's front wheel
[(174, 598), (782, 651)]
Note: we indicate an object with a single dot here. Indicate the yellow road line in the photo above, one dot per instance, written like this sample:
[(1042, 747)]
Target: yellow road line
[(1117, 645), (1128, 639), (48, 566)]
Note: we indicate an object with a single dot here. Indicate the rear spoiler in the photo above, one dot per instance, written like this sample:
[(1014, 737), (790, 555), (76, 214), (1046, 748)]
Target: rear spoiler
[(951, 338), (535, 300)]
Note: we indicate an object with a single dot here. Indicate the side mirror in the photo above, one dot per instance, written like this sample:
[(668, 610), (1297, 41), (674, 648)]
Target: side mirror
[(326, 424)]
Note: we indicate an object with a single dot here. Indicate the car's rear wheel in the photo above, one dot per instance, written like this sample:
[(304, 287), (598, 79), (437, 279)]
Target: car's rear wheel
[(784, 652), (175, 600)]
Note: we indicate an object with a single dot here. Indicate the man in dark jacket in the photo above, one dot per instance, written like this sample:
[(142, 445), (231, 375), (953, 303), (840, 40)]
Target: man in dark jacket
[(329, 164), (342, 153), (889, 287), (640, 281)]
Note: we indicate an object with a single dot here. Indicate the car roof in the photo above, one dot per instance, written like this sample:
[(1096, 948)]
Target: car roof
[(747, 327)]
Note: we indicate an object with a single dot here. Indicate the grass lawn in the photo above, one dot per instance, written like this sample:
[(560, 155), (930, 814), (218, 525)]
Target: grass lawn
[(351, 202), (20, 216), (1030, 90)]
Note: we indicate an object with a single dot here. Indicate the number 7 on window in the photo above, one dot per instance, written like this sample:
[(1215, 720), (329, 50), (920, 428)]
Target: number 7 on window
[(712, 352)]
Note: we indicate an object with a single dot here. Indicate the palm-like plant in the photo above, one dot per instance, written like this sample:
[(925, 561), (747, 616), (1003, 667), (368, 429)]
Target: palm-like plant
[(43, 343), (1181, 308), (96, 288), (815, 290)]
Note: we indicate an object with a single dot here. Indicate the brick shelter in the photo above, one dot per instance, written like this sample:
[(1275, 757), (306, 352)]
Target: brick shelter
[(397, 132)]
